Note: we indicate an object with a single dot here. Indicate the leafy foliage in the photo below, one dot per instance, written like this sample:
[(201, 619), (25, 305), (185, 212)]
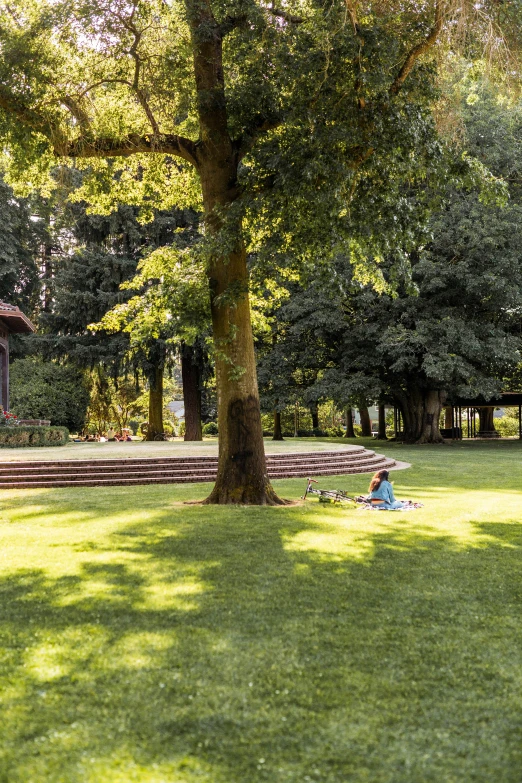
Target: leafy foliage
[(452, 323), (20, 239), (47, 390)]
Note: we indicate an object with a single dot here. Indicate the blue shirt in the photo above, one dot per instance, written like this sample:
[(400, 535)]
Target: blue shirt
[(383, 492)]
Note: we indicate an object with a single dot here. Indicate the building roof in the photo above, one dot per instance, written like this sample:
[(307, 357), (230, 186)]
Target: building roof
[(500, 400), (14, 319)]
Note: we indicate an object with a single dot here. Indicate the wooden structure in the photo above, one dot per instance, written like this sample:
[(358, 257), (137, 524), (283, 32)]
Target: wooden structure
[(12, 321), (472, 406), (463, 415)]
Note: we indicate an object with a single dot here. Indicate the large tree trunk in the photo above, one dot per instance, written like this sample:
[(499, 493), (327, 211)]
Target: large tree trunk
[(314, 412), (278, 432), (242, 474), (381, 434), (421, 414), (155, 402), (350, 433), (191, 393), (487, 423), (366, 423)]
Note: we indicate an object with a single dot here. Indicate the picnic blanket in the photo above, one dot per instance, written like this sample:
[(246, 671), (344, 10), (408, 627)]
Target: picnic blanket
[(408, 505)]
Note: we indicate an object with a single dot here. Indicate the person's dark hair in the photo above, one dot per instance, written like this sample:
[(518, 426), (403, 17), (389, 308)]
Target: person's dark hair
[(380, 476)]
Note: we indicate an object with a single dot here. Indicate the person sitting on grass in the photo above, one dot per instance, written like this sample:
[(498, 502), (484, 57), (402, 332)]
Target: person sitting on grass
[(381, 492)]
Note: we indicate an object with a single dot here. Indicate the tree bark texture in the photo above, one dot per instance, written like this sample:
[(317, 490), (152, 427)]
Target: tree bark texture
[(487, 423), (315, 417), (190, 376), (278, 432), (350, 433), (242, 474), (421, 411), (366, 423), (155, 403), (381, 434)]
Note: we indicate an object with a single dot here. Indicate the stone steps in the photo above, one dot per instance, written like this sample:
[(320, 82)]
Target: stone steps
[(116, 466), (173, 470), (354, 453)]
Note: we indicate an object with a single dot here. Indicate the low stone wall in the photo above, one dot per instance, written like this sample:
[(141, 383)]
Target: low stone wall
[(35, 422)]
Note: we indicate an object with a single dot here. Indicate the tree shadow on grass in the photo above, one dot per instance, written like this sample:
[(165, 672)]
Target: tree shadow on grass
[(247, 647)]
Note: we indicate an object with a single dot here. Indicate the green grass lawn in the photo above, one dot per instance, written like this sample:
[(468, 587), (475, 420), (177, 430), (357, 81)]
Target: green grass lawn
[(145, 640), (174, 448)]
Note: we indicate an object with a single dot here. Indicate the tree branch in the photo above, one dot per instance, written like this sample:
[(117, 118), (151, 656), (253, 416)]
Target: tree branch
[(418, 50), (87, 146), (352, 13), (105, 147), (79, 114), (207, 46), (248, 138), (231, 23), (133, 51), (288, 17)]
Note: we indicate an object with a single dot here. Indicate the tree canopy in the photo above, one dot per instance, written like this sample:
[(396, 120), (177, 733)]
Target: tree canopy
[(290, 125), (448, 326)]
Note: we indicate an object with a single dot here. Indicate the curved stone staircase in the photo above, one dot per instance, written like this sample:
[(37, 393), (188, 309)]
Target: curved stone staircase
[(174, 470)]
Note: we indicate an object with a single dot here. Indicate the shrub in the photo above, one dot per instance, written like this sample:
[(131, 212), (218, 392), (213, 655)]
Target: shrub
[(46, 390), (211, 428), (25, 435), (334, 432), (507, 426)]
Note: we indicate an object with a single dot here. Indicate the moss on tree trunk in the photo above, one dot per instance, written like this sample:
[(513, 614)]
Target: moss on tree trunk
[(242, 475)]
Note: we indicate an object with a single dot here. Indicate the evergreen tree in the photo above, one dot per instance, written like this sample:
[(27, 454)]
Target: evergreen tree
[(20, 240), (106, 251)]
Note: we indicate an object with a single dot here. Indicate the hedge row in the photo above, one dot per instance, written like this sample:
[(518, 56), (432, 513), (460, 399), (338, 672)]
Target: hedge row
[(336, 432), (25, 435)]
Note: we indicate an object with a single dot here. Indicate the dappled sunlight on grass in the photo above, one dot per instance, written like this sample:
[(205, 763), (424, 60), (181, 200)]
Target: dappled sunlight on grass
[(125, 770), (137, 650), (143, 640), (337, 536)]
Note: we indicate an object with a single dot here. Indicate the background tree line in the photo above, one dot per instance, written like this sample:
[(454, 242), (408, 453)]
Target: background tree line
[(303, 135), (439, 318)]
